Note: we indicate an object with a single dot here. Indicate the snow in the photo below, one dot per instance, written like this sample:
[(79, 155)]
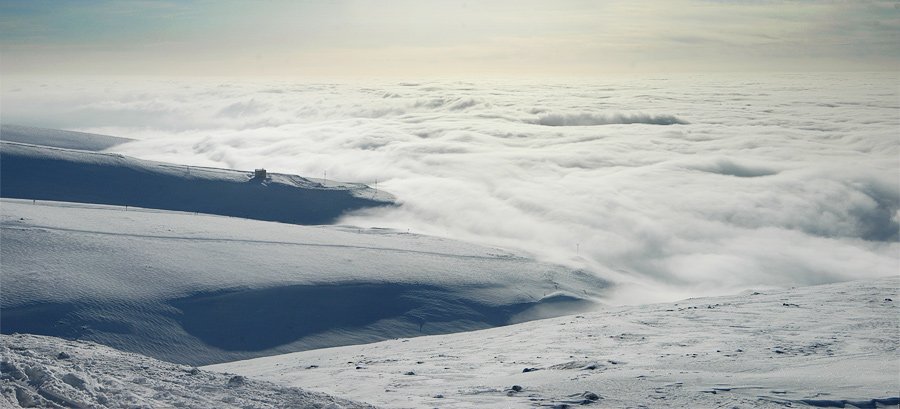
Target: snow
[(200, 289), (59, 138), (642, 190), (38, 172), (37, 371), (834, 345)]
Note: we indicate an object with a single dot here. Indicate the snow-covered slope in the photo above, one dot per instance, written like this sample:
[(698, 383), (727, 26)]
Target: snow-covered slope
[(59, 138), (38, 172), (38, 371), (826, 346), (202, 289)]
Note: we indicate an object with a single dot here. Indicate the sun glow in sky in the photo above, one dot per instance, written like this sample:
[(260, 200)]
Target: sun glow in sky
[(445, 38)]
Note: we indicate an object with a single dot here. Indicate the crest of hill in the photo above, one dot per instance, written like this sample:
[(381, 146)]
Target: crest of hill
[(48, 173), (59, 138)]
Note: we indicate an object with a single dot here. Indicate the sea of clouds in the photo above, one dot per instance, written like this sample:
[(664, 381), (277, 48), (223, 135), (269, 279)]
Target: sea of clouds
[(670, 186)]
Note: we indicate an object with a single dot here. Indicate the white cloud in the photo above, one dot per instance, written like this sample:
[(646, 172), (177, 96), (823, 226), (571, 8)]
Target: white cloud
[(669, 186)]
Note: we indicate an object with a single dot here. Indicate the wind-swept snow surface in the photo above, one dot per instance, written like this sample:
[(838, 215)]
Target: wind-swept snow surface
[(202, 289), (37, 371), (830, 346), (38, 172), (58, 138)]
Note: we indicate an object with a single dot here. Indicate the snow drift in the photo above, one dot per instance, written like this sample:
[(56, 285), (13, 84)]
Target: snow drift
[(201, 289), (45, 173)]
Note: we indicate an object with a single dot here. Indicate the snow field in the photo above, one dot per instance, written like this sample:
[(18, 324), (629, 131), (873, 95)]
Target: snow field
[(834, 345)]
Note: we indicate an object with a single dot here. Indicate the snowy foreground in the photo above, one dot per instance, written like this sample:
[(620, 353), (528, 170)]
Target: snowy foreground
[(825, 346), (38, 371)]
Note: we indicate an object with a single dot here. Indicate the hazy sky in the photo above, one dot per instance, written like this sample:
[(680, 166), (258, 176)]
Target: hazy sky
[(445, 37)]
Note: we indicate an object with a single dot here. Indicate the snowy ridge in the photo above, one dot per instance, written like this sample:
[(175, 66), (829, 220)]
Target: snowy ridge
[(202, 289), (37, 172), (59, 138), (37, 371), (833, 346)]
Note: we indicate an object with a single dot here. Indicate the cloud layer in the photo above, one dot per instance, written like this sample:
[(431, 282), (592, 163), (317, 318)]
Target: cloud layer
[(670, 187), (405, 38)]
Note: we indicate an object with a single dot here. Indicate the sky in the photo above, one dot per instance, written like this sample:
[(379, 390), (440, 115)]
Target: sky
[(444, 38)]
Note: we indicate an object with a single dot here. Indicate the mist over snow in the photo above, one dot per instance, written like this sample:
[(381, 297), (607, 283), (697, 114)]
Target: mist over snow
[(668, 186)]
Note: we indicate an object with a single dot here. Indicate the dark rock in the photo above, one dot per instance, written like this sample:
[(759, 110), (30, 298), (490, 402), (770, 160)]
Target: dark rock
[(237, 380), (74, 381), (590, 396), (63, 355), (9, 370), (24, 397)]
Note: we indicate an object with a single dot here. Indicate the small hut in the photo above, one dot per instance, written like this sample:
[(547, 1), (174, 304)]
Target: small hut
[(259, 174)]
